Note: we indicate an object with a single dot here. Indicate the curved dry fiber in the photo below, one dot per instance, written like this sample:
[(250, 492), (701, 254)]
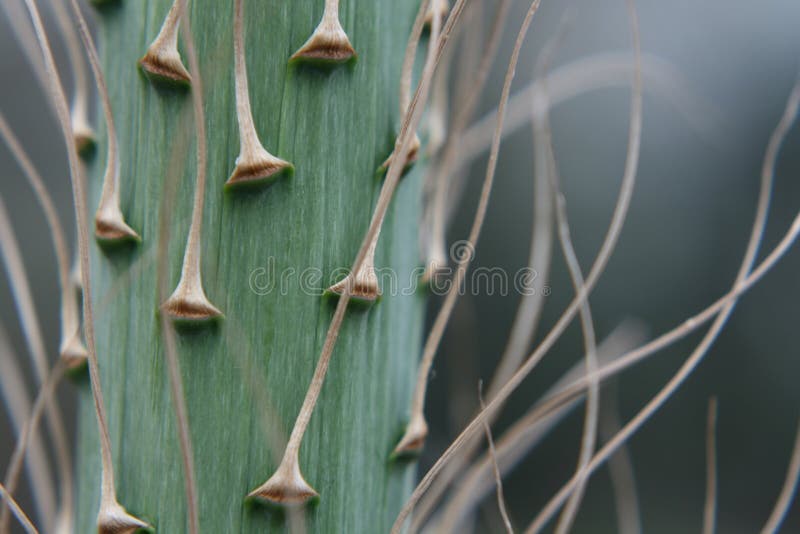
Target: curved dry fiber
[(767, 178), (498, 481), (70, 347), (471, 89), (411, 440), (594, 72), (81, 129), (18, 405), (17, 511), (569, 81), (620, 211), (528, 431), (587, 327), (787, 492), (541, 415), (710, 508), (542, 134), (23, 32), (108, 499), (109, 222), (43, 399), (34, 340), (170, 344), (620, 466)]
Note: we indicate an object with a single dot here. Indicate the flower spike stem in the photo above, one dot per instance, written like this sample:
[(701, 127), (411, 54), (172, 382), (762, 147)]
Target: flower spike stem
[(254, 165), (162, 61), (329, 43)]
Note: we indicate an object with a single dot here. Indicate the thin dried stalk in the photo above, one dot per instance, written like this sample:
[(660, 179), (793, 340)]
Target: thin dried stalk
[(81, 129), (71, 346), (498, 480), (767, 177), (528, 431), (574, 389), (589, 438), (20, 25), (109, 223), (34, 339), (530, 306), (620, 466), (18, 512), (18, 405), (787, 492), (162, 60), (436, 259), (416, 431), (254, 163), (189, 301), (406, 81), (112, 517), (618, 218), (182, 417), (710, 508), (598, 71), (28, 434)]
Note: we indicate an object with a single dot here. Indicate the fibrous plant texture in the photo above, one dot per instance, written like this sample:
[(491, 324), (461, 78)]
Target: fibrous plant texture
[(244, 377), (249, 366)]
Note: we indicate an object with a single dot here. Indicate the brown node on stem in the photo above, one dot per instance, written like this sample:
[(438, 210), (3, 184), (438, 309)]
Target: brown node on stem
[(254, 164), (329, 42), (74, 352), (189, 303), (83, 135), (286, 486), (438, 9), (364, 285), (162, 59), (114, 519), (258, 167), (413, 440), (436, 264), (165, 63), (110, 226), (411, 158)]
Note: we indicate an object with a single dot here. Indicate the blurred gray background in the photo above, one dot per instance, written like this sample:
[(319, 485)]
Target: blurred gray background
[(679, 251)]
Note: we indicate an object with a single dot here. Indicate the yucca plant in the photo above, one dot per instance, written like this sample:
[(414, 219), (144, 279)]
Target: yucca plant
[(270, 183)]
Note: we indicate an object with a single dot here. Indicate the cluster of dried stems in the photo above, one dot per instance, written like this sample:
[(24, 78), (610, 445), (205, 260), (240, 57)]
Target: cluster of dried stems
[(448, 494)]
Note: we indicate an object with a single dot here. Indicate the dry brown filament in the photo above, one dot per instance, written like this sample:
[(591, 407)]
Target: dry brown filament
[(189, 301), (111, 516), (254, 163), (416, 432), (71, 347), (109, 223)]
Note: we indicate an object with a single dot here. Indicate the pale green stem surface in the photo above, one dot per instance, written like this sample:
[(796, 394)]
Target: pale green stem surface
[(336, 126)]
